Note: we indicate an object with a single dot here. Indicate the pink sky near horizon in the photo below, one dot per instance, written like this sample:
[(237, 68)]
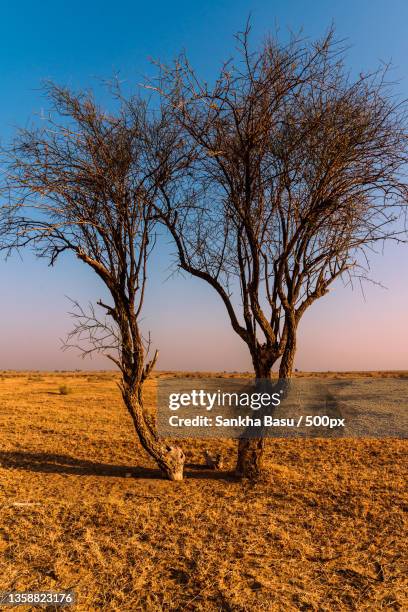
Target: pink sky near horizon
[(190, 327)]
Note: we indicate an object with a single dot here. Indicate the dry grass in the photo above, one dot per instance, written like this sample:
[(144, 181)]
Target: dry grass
[(326, 530)]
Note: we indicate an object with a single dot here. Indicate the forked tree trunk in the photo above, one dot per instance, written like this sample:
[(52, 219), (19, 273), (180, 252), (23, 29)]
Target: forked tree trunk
[(170, 459), (251, 450)]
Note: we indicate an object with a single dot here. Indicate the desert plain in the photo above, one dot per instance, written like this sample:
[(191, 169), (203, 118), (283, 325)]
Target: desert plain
[(83, 507)]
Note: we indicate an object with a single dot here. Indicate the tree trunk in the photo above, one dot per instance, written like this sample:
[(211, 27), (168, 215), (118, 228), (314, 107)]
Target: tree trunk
[(288, 357), (251, 450), (250, 458), (170, 459)]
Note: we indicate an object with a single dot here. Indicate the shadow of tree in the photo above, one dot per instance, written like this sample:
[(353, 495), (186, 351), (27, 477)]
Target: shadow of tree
[(64, 464)]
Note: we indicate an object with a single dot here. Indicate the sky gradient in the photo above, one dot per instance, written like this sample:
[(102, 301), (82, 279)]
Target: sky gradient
[(75, 43)]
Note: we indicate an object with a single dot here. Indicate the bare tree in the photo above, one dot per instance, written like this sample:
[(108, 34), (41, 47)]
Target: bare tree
[(298, 171), (84, 182)]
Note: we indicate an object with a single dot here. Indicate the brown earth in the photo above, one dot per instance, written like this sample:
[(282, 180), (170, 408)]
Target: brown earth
[(82, 507)]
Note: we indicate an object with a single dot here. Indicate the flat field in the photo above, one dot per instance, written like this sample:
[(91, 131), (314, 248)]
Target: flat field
[(83, 507)]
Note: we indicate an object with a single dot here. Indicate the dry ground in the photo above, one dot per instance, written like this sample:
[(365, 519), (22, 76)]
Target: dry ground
[(325, 531)]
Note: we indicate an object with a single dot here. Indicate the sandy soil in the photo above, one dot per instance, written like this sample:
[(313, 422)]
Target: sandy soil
[(82, 507)]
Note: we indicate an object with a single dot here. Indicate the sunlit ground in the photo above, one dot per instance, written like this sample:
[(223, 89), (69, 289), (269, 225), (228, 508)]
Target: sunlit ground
[(83, 507)]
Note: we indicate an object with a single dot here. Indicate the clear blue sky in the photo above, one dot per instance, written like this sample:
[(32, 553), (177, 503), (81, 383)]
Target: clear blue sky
[(74, 43)]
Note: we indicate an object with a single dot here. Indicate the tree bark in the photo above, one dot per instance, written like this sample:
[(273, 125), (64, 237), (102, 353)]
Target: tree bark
[(251, 450), (288, 357), (170, 459), (250, 458)]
